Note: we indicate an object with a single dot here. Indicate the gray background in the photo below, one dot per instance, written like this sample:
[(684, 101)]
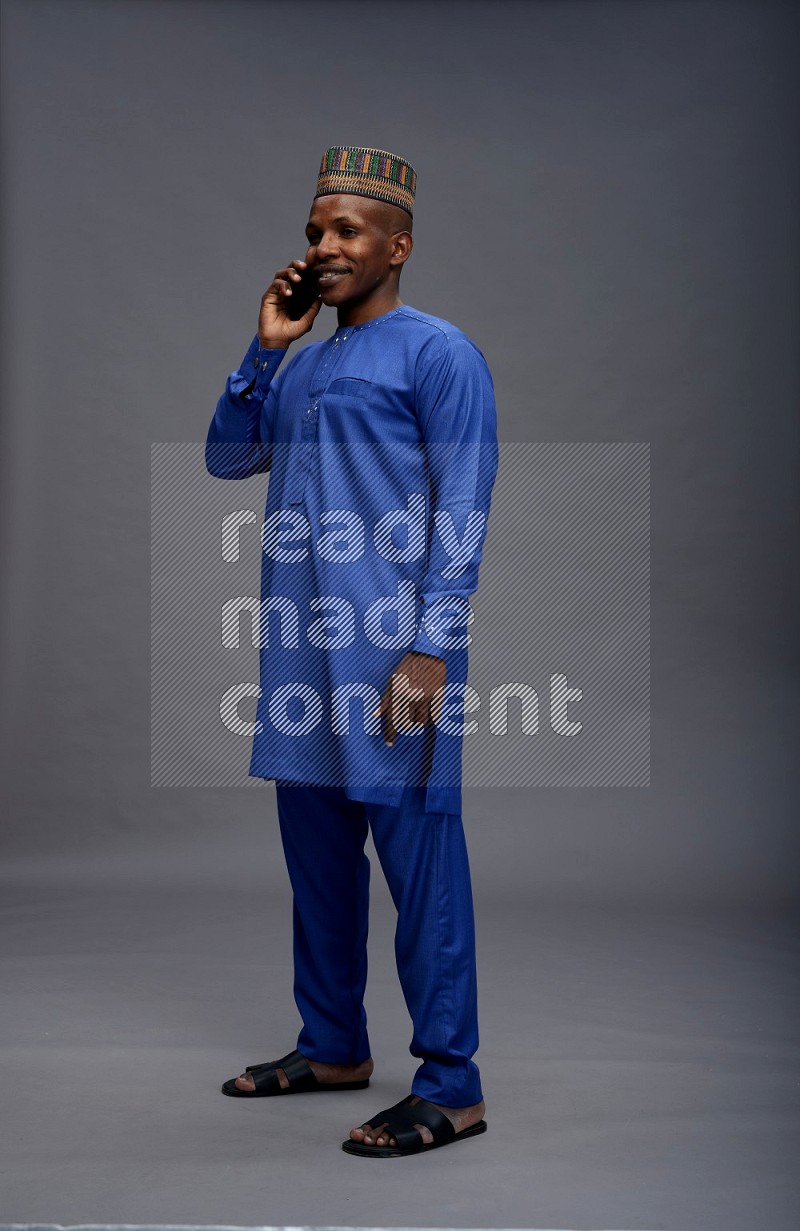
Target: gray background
[(607, 204)]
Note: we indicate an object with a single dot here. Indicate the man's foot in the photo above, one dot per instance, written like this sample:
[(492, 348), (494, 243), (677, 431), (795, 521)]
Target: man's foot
[(326, 1074), (460, 1118)]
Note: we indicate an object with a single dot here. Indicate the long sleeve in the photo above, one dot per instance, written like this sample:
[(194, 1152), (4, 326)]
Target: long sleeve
[(239, 439), (456, 409)]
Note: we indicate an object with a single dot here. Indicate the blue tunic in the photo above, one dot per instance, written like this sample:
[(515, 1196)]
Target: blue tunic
[(381, 443)]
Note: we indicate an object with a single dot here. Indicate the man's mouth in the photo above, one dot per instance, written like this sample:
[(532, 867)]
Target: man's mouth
[(331, 274)]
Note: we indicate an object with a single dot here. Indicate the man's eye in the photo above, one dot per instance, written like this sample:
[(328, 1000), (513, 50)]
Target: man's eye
[(348, 231)]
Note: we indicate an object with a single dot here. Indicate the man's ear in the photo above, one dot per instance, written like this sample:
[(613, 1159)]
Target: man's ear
[(402, 243)]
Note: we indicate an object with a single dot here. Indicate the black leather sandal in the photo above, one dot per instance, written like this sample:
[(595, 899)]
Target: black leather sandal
[(302, 1079), (399, 1121)]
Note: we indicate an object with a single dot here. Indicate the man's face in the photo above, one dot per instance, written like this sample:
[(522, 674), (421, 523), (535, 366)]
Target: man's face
[(353, 246)]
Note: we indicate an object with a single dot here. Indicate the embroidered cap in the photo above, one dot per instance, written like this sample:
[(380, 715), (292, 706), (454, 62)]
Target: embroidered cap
[(367, 173)]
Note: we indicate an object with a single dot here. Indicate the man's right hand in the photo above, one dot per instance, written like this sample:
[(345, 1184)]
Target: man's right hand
[(276, 329)]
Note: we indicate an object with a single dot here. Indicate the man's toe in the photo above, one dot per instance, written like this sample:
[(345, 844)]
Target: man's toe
[(375, 1135), (372, 1133)]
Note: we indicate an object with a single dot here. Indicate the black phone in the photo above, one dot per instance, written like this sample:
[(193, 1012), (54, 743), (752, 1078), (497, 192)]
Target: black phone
[(303, 294)]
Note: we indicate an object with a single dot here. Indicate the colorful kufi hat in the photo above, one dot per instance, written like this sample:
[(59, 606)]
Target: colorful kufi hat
[(367, 173)]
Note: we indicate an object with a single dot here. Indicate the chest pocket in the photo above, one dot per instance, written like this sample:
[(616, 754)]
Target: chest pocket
[(351, 411), (356, 411), (353, 385), (344, 413)]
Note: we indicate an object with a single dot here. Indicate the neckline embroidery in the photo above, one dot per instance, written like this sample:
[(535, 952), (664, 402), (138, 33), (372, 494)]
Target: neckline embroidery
[(344, 331)]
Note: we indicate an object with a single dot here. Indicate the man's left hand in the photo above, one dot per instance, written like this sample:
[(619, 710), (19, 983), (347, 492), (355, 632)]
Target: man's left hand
[(414, 694)]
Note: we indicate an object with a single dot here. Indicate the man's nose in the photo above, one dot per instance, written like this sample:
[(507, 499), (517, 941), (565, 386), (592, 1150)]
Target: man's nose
[(327, 246)]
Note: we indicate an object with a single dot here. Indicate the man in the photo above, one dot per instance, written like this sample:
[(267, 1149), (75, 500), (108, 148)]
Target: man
[(381, 444)]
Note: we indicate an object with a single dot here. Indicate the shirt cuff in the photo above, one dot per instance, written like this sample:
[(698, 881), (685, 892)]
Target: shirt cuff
[(256, 370), (267, 363), (423, 645), (443, 628)]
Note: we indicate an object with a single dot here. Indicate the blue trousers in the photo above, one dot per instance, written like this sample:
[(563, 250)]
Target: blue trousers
[(424, 859)]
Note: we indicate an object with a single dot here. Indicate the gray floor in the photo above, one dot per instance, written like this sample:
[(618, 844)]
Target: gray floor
[(640, 1066)]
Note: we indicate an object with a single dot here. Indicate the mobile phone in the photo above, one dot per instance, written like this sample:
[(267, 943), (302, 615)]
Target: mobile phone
[(303, 294)]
